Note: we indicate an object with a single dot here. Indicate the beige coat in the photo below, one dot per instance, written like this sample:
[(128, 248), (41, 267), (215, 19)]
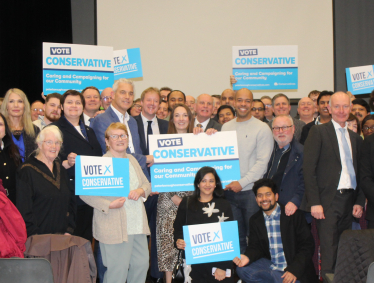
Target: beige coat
[(110, 225)]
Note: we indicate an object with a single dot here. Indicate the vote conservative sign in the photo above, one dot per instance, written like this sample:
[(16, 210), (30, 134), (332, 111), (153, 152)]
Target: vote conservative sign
[(179, 156), (75, 66), (127, 64), (265, 67), (102, 176), (360, 80), (212, 242)]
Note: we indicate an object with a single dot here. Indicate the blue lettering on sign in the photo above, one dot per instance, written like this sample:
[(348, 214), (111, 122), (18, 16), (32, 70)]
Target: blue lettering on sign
[(248, 52), (60, 50), (170, 142)]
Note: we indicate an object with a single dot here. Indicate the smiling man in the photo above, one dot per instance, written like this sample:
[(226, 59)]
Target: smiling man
[(255, 145), (306, 110), (282, 106), (360, 109), (204, 110), (280, 246), (52, 110), (92, 103)]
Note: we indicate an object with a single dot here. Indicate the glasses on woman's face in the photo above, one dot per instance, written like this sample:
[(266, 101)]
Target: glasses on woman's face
[(367, 128), (50, 143), (116, 137), (137, 106)]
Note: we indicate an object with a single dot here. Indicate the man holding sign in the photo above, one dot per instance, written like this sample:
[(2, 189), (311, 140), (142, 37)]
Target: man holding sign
[(280, 247)]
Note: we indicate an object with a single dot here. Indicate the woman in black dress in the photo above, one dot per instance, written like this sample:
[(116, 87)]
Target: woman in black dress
[(206, 205)]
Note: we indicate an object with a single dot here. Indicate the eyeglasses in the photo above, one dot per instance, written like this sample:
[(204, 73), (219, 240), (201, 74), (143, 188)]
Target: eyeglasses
[(107, 98), (366, 128), (137, 106), (116, 137), (50, 143), (37, 110), (258, 108), (284, 128), (268, 105)]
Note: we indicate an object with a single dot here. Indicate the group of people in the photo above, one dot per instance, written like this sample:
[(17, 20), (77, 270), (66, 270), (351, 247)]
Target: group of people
[(317, 165)]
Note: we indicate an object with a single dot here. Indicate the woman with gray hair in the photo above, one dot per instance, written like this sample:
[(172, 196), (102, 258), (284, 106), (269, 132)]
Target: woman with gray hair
[(45, 198)]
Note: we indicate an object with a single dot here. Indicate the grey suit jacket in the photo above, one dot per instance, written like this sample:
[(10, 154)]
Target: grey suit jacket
[(322, 166), (213, 124), (298, 127)]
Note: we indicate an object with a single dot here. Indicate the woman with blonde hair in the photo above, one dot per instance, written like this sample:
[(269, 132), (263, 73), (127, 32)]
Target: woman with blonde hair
[(16, 110)]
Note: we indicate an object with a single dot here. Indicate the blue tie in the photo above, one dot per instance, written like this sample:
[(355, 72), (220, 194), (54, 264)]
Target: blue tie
[(348, 159)]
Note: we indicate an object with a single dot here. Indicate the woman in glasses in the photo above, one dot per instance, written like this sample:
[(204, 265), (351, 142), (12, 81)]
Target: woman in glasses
[(368, 125), (45, 197), (135, 109), (120, 223)]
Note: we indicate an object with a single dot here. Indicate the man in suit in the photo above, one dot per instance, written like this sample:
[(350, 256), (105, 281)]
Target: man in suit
[(204, 110), (93, 102), (282, 106), (332, 193), (285, 256), (122, 99), (149, 124)]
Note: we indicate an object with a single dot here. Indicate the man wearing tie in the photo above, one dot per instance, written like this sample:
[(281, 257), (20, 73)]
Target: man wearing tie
[(204, 110), (332, 193)]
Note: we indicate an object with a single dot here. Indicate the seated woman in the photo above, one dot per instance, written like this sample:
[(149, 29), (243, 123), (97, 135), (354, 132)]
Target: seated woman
[(225, 113), (10, 159), (120, 223), (45, 198), (208, 193)]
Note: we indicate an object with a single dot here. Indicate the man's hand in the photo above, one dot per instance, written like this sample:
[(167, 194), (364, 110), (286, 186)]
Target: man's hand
[(290, 208), (181, 244), (288, 277), (234, 186), (242, 261), (99, 112), (150, 160), (232, 80), (317, 212), (117, 203), (219, 274), (357, 211), (211, 131), (197, 130)]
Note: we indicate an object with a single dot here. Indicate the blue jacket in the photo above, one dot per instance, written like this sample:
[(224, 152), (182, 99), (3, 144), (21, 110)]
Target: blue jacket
[(292, 187), (101, 122)]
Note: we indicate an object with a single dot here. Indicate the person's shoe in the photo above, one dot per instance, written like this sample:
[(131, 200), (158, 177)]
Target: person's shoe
[(157, 280)]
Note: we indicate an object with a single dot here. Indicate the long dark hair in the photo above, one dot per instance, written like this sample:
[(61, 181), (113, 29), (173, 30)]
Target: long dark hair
[(191, 120), (218, 190), (7, 139)]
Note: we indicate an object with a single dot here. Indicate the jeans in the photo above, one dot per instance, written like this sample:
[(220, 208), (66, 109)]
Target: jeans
[(260, 271), (101, 269), (243, 205)]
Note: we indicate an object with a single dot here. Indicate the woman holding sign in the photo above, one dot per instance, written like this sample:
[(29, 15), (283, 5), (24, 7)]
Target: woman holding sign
[(120, 223), (181, 121), (207, 205)]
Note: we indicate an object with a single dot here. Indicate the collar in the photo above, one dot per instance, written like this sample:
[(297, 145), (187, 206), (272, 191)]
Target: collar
[(119, 114), (204, 124), (275, 213), (145, 120), (337, 126), (285, 148)]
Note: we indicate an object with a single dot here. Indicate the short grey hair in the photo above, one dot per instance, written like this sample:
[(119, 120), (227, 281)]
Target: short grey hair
[(49, 129), (125, 81), (280, 95), (287, 116)]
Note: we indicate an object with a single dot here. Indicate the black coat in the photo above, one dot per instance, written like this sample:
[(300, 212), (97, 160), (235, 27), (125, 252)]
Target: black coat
[(8, 170), (367, 174), (297, 240)]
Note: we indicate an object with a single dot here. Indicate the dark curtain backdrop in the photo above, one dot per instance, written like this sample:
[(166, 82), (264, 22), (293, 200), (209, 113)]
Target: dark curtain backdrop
[(24, 26)]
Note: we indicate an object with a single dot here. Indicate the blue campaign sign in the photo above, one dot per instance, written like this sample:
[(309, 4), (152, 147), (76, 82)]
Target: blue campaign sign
[(127, 64), (360, 80), (178, 157), (212, 242), (102, 176), (265, 67), (75, 66)]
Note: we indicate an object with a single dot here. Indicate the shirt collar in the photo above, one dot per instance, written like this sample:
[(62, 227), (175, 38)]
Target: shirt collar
[(145, 120), (337, 126), (204, 124), (120, 115), (275, 213)]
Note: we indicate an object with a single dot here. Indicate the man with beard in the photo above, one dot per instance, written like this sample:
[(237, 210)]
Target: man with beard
[(255, 145), (360, 109), (324, 114), (280, 247), (52, 110)]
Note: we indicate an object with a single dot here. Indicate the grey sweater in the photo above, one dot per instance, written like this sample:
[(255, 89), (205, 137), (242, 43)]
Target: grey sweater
[(255, 142)]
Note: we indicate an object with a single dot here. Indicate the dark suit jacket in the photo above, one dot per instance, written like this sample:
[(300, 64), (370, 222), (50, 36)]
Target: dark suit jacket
[(322, 166), (162, 126), (102, 121), (305, 131), (297, 240), (213, 124), (367, 174), (292, 187)]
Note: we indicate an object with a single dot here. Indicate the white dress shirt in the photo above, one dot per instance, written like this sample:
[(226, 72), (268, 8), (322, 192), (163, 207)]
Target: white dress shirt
[(204, 124), (124, 119), (86, 118), (154, 126), (345, 180)]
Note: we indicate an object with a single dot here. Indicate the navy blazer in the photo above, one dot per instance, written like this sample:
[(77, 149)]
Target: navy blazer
[(297, 240), (292, 187), (162, 126), (102, 121)]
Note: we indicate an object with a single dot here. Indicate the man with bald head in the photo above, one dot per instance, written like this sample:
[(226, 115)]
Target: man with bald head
[(204, 110), (306, 110), (255, 144), (227, 97), (106, 97), (332, 191)]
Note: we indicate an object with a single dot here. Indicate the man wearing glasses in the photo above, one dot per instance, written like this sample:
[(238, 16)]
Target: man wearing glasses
[(106, 98), (285, 166), (258, 110), (37, 108), (269, 112)]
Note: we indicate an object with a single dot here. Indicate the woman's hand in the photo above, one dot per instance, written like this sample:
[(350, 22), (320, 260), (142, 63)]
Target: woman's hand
[(117, 203), (181, 244), (136, 194), (219, 274), (70, 162), (176, 200)]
